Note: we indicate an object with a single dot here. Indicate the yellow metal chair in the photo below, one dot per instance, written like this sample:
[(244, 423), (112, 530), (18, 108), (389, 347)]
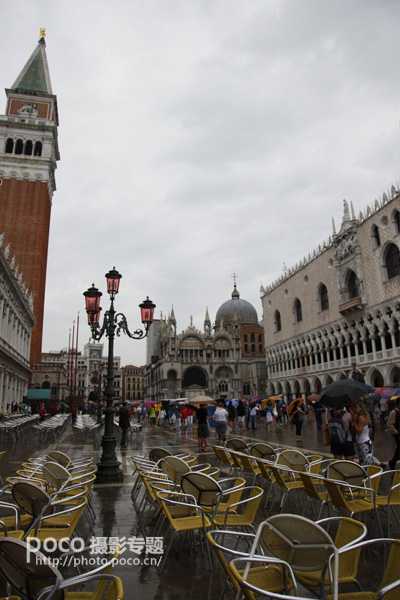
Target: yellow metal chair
[(286, 481), (224, 545), (194, 518), (314, 488), (347, 471), (266, 451), (351, 499), (241, 514), (388, 498), (388, 585), (264, 576), (176, 468), (248, 466), (39, 580), (236, 443), (210, 494), (345, 533), (301, 543), (223, 456)]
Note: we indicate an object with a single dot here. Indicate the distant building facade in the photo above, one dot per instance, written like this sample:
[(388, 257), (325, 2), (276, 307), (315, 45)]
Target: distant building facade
[(28, 160), (92, 373), (16, 323), (81, 374), (224, 361), (51, 373), (340, 306), (132, 381)]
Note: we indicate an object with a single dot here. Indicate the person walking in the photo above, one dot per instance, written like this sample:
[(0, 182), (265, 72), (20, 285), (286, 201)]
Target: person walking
[(363, 444), (241, 415), (189, 418), (152, 415), (203, 431), (221, 421), (231, 416), (337, 434), (298, 415), (348, 446), (124, 423), (318, 409), (269, 415), (393, 425), (253, 416)]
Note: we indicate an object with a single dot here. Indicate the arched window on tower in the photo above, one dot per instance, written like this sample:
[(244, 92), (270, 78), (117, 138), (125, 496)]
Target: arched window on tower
[(376, 237), (391, 261), (353, 285), (38, 149), (298, 311), (323, 297), (19, 147), (277, 321), (28, 148), (9, 146)]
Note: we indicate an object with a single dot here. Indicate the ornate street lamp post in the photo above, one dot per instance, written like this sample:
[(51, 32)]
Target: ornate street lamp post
[(108, 469)]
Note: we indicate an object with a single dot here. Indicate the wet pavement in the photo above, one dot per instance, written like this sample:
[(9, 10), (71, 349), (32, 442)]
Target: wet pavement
[(186, 574)]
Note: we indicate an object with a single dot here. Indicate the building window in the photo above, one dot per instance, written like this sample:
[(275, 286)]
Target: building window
[(298, 311), (323, 297), (376, 235), (19, 147), (277, 320), (246, 348), (353, 285), (9, 146), (28, 148), (38, 149), (392, 261), (246, 338)]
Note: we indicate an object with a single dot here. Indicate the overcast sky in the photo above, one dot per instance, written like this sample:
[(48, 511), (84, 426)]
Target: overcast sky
[(203, 137)]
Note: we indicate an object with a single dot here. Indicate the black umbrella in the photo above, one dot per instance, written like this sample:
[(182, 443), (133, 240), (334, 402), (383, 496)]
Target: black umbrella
[(340, 393)]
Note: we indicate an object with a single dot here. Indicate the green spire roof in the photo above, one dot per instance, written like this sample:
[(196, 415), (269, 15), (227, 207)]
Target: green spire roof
[(35, 76)]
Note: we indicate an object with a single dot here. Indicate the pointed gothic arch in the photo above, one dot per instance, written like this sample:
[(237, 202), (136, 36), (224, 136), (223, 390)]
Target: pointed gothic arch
[(298, 310), (277, 321), (352, 284), (323, 297), (391, 260), (395, 376)]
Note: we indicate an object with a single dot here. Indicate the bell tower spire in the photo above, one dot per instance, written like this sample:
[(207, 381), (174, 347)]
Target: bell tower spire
[(28, 160)]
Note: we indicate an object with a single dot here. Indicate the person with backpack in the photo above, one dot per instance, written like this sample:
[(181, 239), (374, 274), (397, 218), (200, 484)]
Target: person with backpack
[(337, 434)]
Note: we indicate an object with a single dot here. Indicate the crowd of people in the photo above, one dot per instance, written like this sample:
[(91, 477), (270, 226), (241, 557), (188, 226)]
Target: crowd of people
[(348, 432)]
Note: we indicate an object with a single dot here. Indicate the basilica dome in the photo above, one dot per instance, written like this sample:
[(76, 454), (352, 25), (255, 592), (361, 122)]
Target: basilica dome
[(236, 309)]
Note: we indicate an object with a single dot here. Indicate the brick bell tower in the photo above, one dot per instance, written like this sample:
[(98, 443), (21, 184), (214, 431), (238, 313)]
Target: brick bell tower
[(28, 159)]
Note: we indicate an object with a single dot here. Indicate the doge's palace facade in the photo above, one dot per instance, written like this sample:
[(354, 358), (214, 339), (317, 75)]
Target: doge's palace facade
[(339, 307)]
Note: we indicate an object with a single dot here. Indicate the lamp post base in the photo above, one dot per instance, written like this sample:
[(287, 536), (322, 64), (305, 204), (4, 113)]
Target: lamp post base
[(109, 469), (109, 473)]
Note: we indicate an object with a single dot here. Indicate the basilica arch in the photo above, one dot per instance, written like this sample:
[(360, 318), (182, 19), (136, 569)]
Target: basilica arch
[(195, 377)]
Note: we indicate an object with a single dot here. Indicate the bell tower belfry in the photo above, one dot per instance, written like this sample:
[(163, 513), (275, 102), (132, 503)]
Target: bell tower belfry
[(28, 160)]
